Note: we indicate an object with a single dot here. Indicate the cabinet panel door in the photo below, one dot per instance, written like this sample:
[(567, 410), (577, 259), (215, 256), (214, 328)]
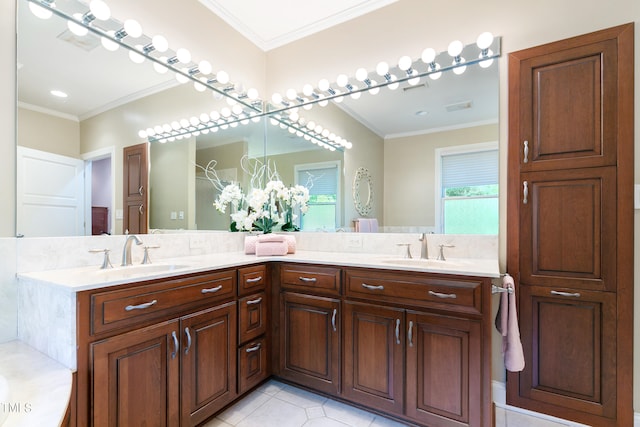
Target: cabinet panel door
[(252, 364), (135, 378), (135, 184), (252, 320), (570, 360), (208, 365), (443, 372), (310, 341), (374, 356), (568, 229)]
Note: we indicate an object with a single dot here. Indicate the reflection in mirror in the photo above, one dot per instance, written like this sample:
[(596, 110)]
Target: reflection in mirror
[(396, 135)]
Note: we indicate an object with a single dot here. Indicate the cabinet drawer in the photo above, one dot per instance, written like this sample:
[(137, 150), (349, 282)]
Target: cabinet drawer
[(253, 317), (252, 279), (323, 280), (136, 304), (252, 363), (414, 289)]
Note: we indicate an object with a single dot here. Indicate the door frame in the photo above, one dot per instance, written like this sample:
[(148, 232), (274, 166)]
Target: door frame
[(89, 158)]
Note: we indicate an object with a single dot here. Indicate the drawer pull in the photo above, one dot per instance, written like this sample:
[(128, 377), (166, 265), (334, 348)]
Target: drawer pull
[(211, 290), (254, 280), (141, 306), (255, 301), (373, 288), (254, 348), (175, 345), (566, 294), (308, 279), (186, 331), (397, 331), (333, 319), (410, 334), (441, 295)]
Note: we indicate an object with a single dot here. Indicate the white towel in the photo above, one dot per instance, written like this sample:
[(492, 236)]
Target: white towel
[(507, 324), (364, 226)]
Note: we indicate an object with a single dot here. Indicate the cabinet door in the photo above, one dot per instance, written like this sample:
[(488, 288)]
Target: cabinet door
[(310, 341), (135, 378), (570, 360), (208, 366), (252, 320), (136, 176), (374, 356), (252, 364), (443, 372), (568, 229)]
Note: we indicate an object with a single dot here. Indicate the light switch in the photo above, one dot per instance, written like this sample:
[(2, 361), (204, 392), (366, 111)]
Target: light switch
[(119, 214), (181, 215), (173, 215)]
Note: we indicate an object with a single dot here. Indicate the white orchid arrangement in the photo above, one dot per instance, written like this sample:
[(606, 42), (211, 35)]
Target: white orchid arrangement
[(262, 207)]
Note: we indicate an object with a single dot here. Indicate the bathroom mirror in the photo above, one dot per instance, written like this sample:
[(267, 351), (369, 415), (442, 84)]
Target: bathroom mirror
[(393, 146)]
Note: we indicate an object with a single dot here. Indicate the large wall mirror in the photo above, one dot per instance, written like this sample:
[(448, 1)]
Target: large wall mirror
[(403, 137)]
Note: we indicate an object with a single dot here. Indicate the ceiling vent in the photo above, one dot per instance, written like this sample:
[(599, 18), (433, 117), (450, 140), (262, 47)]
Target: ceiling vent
[(86, 43), (464, 105), (408, 88)]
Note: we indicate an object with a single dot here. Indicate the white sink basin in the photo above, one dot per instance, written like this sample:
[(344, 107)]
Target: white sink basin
[(424, 263), (468, 266), (138, 270)]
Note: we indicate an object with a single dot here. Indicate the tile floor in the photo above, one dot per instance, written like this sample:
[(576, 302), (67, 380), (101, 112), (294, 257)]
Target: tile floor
[(275, 404)]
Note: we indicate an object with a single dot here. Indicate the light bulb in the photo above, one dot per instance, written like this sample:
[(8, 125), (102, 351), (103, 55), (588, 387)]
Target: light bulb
[(437, 75), (142, 134), (323, 103), (215, 116), (183, 55), (404, 63), (222, 77), (237, 109), (342, 80), (428, 55), (356, 95), (175, 125), (455, 48), (225, 112), (136, 57), (294, 116), (100, 10), (395, 85), (273, 122), (311, 125), (150, 132), (204, 118), (307, 106), (460, 69), (133, 28), (382, 69), (166, 128), (348, 145), (199, 86), (231, 102), (157, 129), (276, 98), (184, 123), (255, 119), (40, 11), (252, 94), (307, 90), (361, 74), (161, 69), (194, 121), (374, 90), (414, 81), (204, 67), (484, 40), (292, 94), (160, 43), (181, 78), (108, 44), (487, 62), (338, 99), (75, 28), (323, 85)]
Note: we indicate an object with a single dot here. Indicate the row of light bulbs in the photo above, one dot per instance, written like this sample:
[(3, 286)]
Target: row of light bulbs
[(345, 87), (130, 36)]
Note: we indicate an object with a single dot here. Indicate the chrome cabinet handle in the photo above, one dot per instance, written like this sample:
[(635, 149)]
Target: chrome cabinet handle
[(397, 331), (526, 151), (211, 290), (254, 280), (140, 210), (308, 279), (333, 319), (525, 191), (141, 306), (175, 344), (373, 288), (186, 331), (254, 348), (140, 191), (566, 294), (441, 295), (410, 334), (255, 301)]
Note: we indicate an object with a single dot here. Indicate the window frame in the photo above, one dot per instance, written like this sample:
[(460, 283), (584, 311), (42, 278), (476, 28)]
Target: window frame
[(323, 165), (446, 151)]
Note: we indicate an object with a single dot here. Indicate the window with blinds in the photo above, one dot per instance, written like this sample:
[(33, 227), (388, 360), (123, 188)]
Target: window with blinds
[(323, 182), (469, 192)]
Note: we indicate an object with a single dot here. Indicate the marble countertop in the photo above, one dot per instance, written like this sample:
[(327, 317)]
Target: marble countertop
[(34, 389), (86, 278)]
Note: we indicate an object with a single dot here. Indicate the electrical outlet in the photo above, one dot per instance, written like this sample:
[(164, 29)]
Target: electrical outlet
[(173, 215), (181, 215), (197, 241), (354, 241)]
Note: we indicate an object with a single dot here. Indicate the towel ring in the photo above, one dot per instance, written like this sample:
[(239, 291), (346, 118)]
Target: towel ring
[(498, 290)]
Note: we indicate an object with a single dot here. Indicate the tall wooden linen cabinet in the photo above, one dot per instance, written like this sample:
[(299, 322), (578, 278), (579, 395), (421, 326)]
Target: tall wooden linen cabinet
[(570, 225)]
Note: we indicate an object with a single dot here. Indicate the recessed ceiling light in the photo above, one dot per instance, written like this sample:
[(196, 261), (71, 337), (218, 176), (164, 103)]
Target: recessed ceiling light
[(59, 93), (422, 113)]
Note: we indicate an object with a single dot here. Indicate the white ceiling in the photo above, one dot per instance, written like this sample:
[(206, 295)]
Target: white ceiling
[(49, 59)]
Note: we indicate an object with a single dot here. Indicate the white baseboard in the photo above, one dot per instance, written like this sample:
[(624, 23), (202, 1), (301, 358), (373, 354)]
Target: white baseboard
[(499, 391)]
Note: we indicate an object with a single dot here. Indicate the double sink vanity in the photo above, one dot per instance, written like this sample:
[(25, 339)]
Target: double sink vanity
[(176, 341)]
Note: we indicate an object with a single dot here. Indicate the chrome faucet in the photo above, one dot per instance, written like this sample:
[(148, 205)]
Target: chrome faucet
[(424, 250), (126, 251)]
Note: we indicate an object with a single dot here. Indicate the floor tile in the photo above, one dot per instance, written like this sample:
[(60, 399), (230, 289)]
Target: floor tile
[(271, 387), (315, 412), (244, 407), (347, 414), (385, 422), (299, 397), (275, 413), (324, 422)]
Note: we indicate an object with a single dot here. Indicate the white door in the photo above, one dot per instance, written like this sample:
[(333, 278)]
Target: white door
[(49, 194)]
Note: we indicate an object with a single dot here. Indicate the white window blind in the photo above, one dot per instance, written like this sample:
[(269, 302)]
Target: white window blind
[(470, 169), (320, 181)]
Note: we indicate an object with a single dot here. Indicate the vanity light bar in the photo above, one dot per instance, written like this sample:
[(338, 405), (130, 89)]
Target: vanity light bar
[(312, 132), (488, 47), (179, 61)]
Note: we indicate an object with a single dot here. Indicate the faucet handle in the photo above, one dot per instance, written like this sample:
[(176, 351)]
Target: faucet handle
[(106, 262), (145, 258), (441, 255), (408, 252)]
